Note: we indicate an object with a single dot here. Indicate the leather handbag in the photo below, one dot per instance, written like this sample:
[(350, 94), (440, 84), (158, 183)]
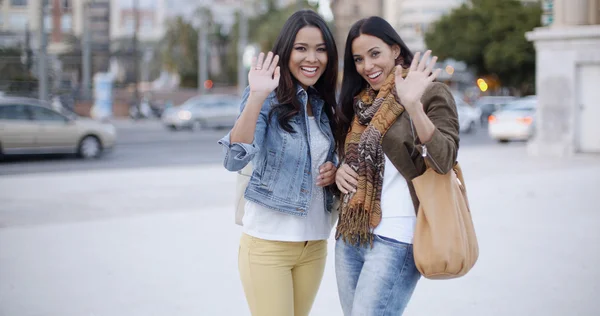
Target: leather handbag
[(243, 177), (445, 245)]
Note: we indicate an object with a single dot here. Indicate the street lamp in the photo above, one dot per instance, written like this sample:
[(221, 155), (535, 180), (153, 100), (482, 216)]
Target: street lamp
[(203, 24), (43, 46), (242, 50)]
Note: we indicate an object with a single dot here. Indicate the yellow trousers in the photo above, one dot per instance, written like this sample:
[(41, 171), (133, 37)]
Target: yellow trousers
[(281, 278)]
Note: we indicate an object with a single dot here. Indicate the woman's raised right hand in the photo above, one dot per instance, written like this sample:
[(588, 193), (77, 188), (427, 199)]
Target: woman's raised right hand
[(264, 73)]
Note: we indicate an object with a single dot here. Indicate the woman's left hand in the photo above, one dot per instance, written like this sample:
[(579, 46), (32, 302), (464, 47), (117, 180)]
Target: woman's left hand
[(411, 89), (326, 174)]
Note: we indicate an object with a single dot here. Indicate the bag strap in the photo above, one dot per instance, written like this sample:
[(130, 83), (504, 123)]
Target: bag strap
[(456, 166)]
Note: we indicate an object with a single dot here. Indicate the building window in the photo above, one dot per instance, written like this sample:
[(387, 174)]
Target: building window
[(100, 18), (18, 3), (48, 23), (147, 24), (66, 23), (129, 25), (17, 22)]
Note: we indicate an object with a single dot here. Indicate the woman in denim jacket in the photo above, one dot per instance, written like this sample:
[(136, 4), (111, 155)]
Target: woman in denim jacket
[(285, 129)]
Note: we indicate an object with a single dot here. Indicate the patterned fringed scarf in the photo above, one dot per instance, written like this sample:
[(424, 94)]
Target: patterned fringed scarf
[(375, 113)]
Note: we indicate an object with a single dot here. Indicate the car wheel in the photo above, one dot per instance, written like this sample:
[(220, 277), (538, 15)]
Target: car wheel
[(503, 141), (90, 147)]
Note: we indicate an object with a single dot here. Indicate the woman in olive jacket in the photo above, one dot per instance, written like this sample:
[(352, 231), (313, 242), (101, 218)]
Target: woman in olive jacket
[(394, 122)]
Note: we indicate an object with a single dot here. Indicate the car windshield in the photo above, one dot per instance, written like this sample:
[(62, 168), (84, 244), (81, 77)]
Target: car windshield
[(69, 113), (493, 100), (525, 104), (209, 101), (200, 101)]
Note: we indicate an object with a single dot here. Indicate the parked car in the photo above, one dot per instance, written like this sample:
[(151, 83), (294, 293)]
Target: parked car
[(515, 121), (212, 110), (491, 104), (468, 116), (29, 126)]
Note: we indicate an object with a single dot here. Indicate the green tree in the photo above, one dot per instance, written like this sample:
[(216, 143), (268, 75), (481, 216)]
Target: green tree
[(14, 76), (180, 50), (179, 45), (489, 35), (263, 28)]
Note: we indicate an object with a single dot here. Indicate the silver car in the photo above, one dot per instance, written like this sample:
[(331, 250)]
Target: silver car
[(28, 126), (203, 111)]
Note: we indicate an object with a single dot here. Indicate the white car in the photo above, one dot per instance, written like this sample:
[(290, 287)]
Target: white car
[(210, 110), (468, 116), (516, 120)]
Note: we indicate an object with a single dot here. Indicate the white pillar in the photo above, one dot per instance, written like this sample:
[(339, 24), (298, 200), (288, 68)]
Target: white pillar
[(594, 12), (576, 12)]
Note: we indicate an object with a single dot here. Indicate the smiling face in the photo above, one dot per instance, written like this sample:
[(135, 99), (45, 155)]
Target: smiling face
[(309, 56), (374, 59)]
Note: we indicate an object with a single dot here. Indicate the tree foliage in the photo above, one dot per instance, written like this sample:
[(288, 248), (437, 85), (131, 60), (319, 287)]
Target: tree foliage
[(15, 78), (180, 43), (489, 35), (263, 29), (180, 47)]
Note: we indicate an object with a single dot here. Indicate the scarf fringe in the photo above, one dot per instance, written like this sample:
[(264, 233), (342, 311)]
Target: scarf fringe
[(354, 226), (375, 112)]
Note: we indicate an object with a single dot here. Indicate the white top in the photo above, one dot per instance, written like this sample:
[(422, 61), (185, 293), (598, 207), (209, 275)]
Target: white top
[(265, 223), (398, 217)]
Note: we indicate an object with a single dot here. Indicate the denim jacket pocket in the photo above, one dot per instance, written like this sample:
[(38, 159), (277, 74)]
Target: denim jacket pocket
[(269, 170)]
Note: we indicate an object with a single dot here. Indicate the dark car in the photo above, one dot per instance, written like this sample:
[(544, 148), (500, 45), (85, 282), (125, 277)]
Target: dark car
[(491, 104)]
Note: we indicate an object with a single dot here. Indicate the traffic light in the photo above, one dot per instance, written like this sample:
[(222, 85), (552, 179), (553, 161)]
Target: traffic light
[(483, 86)]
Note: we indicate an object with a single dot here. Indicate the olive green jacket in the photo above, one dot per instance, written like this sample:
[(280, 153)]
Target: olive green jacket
[(403, 148)]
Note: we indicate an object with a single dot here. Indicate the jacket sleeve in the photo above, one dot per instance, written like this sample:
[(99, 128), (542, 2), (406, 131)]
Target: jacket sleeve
[(238, 155), (441, 151)]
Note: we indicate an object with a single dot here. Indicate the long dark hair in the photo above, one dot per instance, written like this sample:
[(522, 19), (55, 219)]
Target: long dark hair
[(289, 105), (353, 83)]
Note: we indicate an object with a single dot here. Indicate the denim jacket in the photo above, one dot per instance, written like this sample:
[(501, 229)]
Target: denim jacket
[(281, 179)]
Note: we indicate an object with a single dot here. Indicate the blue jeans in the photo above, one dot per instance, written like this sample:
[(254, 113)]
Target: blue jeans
[(375, 281)]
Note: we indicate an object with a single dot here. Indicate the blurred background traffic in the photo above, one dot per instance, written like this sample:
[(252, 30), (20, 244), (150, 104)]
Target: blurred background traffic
[(156, 82)]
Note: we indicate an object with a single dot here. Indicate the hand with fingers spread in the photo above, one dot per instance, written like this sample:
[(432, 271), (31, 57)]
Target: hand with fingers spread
[(326, 174), (421, 74), (264, 73), (346, 179)]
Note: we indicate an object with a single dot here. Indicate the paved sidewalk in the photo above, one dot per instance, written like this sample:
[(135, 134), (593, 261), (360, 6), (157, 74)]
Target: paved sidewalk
[(161, 241)]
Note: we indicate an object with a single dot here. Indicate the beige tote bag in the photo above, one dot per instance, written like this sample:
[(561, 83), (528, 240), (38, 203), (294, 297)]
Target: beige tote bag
[(445, 245)]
